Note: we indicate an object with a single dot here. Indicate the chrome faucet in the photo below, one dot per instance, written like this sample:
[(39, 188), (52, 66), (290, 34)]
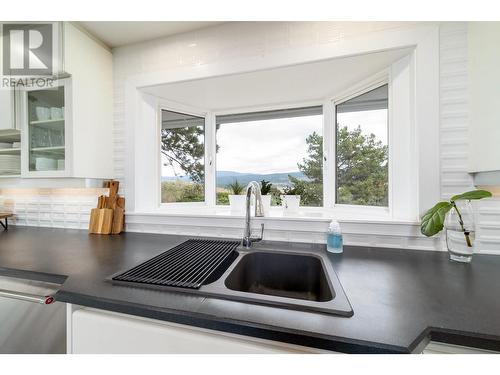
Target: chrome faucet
[(247, 240)]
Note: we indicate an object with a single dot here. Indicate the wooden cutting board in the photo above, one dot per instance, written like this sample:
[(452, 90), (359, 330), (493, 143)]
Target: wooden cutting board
[(101, 220), (118, 218), (109, 216)]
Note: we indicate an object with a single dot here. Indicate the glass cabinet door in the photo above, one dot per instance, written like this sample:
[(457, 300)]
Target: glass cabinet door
[(46, 133)]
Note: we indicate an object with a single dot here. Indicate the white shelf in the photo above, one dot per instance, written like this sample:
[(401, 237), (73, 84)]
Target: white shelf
[(43, 122), (49, 152), (48, 149), (9, 151), (10, 135), (48, 124)]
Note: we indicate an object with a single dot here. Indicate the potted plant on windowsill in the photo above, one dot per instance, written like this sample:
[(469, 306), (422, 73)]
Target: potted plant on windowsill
[(236, 199), (265, 190), (290, 200), (456, 217)]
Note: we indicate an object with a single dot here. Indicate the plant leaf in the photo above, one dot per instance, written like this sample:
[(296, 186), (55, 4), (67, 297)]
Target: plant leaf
[(473, 194), (433, 219)]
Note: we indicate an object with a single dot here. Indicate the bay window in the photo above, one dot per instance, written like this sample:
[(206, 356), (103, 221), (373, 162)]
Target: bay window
[(287, 149)]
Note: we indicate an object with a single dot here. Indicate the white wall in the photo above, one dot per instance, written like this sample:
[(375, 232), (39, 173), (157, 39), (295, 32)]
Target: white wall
[(250, 46)]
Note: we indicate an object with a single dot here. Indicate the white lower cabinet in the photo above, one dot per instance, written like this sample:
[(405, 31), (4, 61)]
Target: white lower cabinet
[(97, 331)]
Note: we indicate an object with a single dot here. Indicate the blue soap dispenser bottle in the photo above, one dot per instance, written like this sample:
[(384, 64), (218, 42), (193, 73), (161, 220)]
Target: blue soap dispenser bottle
[(334, 238)]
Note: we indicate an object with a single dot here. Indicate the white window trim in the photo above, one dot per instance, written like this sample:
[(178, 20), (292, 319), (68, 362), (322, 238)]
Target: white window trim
[(165, 105), (423, 176), (304, 104), (330, 207), (375, 81)]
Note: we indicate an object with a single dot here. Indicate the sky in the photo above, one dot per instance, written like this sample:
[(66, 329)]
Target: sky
[(276, 146), (268, 146), (371, 122)]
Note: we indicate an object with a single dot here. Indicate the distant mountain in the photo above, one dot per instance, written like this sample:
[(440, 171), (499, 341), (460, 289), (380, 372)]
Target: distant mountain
[(224, 178), (228, 173)]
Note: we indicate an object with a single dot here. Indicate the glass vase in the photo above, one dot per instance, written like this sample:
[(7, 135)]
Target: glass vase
[(460, 232)]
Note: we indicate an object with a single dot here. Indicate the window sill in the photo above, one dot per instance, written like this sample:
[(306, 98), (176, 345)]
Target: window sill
[(309, 225), (355, 214)]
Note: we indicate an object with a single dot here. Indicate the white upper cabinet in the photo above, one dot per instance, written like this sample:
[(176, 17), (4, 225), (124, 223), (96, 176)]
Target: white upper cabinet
[(91, 67), (47, 131), (66, 129), (484, 84)]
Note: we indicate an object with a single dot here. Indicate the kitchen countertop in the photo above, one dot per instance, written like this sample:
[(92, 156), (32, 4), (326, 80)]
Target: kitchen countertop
[(400, 298)]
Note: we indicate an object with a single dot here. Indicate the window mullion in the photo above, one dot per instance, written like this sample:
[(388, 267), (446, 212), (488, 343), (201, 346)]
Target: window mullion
[(210, 158), (328, 154)]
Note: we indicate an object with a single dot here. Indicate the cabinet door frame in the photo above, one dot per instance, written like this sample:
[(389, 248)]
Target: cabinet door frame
[(68, 133), (9, 125)]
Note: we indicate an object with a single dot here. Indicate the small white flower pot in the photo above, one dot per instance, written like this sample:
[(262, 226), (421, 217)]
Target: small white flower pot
[(237, 204), (266, 204), (290, 204)]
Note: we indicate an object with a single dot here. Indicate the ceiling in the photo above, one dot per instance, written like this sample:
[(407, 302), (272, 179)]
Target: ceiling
[(285, 85), (120, 33)]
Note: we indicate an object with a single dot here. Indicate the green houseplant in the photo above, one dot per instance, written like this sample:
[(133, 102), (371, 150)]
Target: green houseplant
[(236, 199), (235, 187), (457, 218)]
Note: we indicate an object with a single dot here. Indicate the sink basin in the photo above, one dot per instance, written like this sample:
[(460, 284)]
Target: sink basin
[(278, 274), (284, 275)]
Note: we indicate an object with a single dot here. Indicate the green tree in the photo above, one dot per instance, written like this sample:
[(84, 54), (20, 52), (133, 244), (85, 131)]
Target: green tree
[(312, 166), (362, 173), (362, 170), (311, 189), (184, 149)]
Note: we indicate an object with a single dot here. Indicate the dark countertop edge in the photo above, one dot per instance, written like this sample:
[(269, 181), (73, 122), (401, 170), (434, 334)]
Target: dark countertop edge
[(236, 327), (455, 337), (470, 339), (33, 275)]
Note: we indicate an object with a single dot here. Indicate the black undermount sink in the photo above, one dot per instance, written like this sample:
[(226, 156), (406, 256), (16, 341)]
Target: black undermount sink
[(291, 276), (284, 275)]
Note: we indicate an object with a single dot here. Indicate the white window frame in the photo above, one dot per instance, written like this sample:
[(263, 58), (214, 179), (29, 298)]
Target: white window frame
[(330, 207), (175, 107), (314, 103), (329, 161), (364, 86)]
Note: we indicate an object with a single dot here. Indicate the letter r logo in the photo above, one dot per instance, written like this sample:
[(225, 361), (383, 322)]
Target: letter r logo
[(27, 49)]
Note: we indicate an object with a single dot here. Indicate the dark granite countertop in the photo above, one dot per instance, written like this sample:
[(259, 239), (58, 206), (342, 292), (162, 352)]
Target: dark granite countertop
[(400, 298)]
